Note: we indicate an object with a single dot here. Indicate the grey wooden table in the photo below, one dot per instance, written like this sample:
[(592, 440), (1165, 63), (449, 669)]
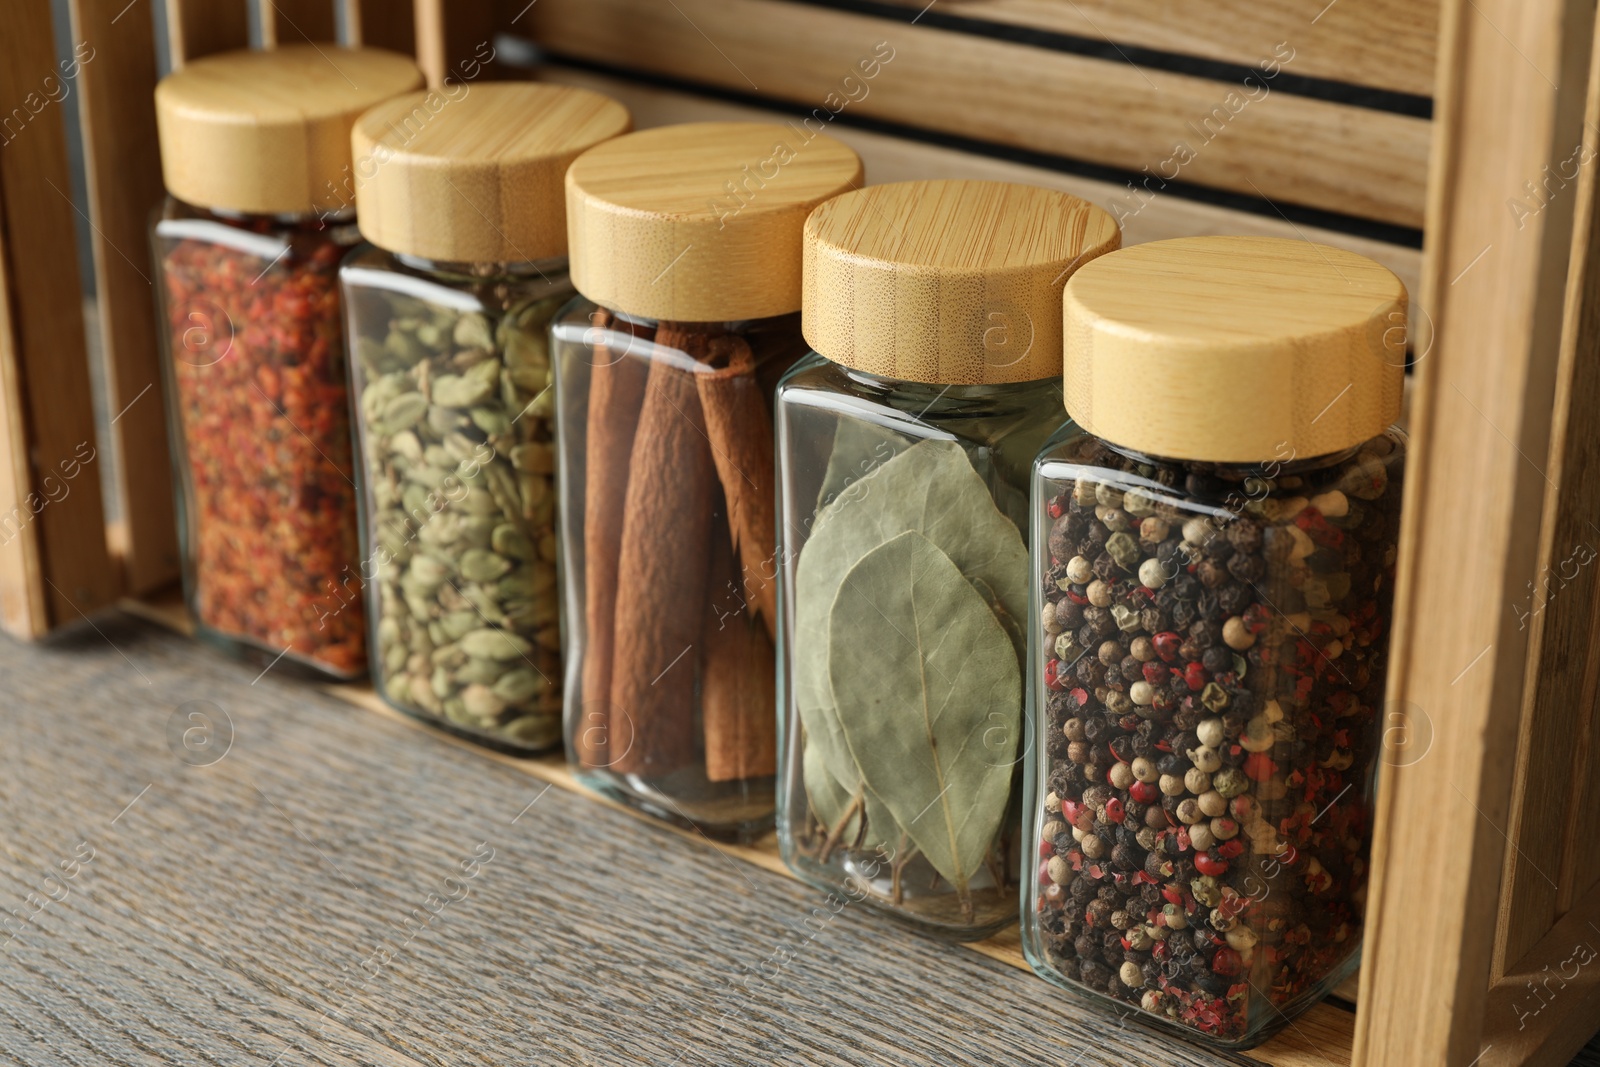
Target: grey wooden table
[(333, 887)]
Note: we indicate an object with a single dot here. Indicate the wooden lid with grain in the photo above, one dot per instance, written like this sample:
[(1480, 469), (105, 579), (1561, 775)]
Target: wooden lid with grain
[(269, 132), (476, 177), (947, 282), (1235, 349), (700, 222)]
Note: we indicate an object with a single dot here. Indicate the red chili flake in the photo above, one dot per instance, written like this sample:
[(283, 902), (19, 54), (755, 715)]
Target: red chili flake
[(1231, 850), (1210, 863), (1154, 673), (1259, 766), (1046, 849), (261, 402), (1077, 598), (1194, 676), (1055, 509)]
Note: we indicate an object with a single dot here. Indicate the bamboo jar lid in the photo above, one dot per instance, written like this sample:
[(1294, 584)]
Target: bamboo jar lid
[(477, 178), (1235, 349), (700, 222), (947, 282), (269, 132)]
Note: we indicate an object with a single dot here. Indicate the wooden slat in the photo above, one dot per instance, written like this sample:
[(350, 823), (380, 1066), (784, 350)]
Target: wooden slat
[(62, 557), (1319, 1038), (296, 21), (124, 173), (1557, 835), (1286, 148), (198, 28), (455, 40), (1548, 1004), (1386, 44), (1495, 286), (390, 24), (893, 159)]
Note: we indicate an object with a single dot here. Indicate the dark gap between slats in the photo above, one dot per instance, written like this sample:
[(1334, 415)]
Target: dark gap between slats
[(1329, 89), (522, 53)]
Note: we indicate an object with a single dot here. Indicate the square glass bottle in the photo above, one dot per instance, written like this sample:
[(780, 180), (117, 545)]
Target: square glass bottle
[(904, 443)]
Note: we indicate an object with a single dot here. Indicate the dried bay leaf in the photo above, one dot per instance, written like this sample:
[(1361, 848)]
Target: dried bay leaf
[(917, 662), (930, 488)]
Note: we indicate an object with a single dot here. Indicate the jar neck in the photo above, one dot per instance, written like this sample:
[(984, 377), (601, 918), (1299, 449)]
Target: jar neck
[(539, 268), (1287, 462), (648, 323), (906, 389)]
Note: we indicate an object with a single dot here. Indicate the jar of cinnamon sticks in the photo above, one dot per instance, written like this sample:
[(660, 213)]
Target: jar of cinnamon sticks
[(448, 313), (685, 246), (904, 443)]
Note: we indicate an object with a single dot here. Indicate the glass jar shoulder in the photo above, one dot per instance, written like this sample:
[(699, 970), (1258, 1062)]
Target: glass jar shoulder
[(1267, 488), (278, 241), (460, 288)]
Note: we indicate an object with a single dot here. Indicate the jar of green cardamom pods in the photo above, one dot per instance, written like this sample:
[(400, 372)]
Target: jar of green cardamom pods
[(447, 309), (904, 442)]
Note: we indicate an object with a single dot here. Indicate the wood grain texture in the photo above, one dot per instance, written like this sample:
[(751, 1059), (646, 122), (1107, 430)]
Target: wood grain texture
[(455, 40), (1320, 1038), (1495, 286), (1293, 149), (61, 555), (1548, 1002), (198, 28), (1387, 44), (296, 21), (894, 159), (124, 177), (1166, 343), (1553, 818), (293, 896), (269, 131), (947, 281), (475, 174), (390, 24), (700, 222)]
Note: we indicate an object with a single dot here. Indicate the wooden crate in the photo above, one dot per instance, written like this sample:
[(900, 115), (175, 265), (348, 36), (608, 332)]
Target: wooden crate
[(1470, 121)]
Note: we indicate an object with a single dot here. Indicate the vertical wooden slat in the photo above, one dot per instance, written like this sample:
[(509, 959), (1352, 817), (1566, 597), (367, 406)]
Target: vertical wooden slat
[(198, 28), (1494, 282), (49, 466), (455, 39), (1556, 833), (390, 24), (124, 177), (296, 21)]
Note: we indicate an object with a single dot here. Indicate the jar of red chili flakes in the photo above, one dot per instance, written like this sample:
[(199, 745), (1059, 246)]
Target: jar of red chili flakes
[(1214, 539), (255, 151), (449, 315)]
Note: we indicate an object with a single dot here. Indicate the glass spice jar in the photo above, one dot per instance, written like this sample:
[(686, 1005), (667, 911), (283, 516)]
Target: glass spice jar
[(247, 248), (1214, 543), (686, 248), (903, 450), (448, 315)]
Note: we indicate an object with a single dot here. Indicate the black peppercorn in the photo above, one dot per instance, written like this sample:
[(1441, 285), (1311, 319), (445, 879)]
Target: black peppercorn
[(1218, 659)]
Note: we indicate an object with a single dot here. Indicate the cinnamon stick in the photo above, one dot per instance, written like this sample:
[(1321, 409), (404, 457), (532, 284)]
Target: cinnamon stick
[(740, 430), (661, 571), (738, 681), (616, 390)]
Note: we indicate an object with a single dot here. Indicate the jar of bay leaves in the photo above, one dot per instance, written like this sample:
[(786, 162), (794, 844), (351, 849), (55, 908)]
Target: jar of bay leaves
[(449, 307), (255, 147), (686, 248), (1214, 541), (904, 442)]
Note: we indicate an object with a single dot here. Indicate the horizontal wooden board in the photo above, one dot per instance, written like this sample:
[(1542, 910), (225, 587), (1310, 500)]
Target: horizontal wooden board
[(1288, 149), (1319, 1038), (1385, 44), (893, 159)]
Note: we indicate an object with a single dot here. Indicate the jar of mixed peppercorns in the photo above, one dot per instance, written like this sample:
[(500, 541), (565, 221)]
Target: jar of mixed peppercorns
[(255, 150), (904, 441), (1213, 568), (686, 248), (449, 313)]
